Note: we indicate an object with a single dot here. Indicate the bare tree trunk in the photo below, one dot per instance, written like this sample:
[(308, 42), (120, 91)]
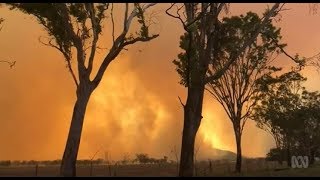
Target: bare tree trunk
[(192, 119), (239, 152), (68, 164)]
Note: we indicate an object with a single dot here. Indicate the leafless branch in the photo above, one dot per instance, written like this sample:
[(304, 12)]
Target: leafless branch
[(66, 56), (217, 96), (314, 62), (95, 153), (112, 20), (243, 123), (95, 35), (98, 47), (11, 63), (141, 39), (151, 17), (178, 16), (148, 6), (282, 50), (181, 101), (282, 9), (120, 43), (175, 16)]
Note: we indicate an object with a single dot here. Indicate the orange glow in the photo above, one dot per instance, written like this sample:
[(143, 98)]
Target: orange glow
[(211, 131), (136, 108)]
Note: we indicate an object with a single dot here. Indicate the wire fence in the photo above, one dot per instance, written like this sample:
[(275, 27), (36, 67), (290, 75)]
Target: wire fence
[(204, 168)]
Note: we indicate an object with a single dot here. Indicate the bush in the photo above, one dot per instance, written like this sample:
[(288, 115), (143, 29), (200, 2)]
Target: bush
[(5, 163), (143, 158), (276, 154)]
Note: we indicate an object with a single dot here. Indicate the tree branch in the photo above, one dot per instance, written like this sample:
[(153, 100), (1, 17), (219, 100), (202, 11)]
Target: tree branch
[(176, 17), (126, 15), (233, 57), (220, 98), (181, 101), (95, 36), (120, 43), (243, 123), (282, 50), (77, 41), (112, 20), (66, 56), (141, 39), (196, 18), (11, 64)]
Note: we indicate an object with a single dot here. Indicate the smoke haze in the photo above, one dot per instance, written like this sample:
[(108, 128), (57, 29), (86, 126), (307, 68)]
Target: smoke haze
[(136, 107)]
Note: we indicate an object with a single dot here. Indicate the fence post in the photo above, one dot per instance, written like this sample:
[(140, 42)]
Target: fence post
[(36, 169), (110, 173), (210, 166), (91, 168)]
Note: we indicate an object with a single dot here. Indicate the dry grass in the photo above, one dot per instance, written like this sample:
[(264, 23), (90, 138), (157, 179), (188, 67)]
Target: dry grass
[(219, 168)]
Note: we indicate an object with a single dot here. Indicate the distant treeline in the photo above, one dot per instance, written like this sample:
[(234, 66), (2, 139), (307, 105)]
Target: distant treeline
[(139, 159), (48, 162)]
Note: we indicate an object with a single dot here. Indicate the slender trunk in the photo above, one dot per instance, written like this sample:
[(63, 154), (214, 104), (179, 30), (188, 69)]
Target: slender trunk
[(280, 156), (192, 119), (239, 152), (288, 155), (312, 154), (68, 164)]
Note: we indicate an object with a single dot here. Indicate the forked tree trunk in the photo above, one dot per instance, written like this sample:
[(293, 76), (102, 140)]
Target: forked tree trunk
[(192, 119), (68, 164), (239, 152)]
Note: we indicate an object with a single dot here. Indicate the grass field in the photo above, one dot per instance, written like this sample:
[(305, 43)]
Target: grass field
[(250, 168)]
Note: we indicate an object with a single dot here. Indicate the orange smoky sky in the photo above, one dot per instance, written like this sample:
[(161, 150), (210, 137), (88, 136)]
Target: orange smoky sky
[(136, 108)]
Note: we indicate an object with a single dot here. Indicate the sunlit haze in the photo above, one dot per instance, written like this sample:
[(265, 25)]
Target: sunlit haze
[(136, 108)]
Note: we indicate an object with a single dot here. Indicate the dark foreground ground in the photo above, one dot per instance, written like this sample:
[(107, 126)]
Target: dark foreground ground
[(250, 168)]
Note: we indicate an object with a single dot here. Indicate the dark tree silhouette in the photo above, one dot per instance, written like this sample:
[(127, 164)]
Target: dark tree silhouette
[(201, 37), (301, 122), (278, 100), (308, 114), (79, 26), (236, 87), (142, 158)]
